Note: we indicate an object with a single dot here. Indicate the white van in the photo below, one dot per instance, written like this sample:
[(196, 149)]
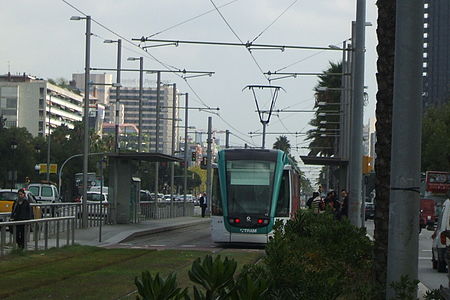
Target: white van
[(440, 241), (44, 192)]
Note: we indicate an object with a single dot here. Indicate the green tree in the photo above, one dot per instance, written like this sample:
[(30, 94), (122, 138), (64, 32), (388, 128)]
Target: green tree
[(283, 144), (325, 145), (385, 81), (436, 139)]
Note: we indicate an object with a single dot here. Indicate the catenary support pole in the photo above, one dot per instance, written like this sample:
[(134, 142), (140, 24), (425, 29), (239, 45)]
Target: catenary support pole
[(209, 167), (406, 144), (158, 104), (49, 139), (141, 86), (117, 119), (86, 121), (172, 164), (355, 163), (227, 139), (186, 123)]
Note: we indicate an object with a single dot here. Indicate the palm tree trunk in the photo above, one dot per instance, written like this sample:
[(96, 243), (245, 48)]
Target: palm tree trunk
[(385, 80)]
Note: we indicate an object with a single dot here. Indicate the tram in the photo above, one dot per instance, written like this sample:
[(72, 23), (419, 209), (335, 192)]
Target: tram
[(252, 188)]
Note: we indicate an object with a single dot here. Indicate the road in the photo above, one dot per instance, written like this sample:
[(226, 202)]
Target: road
[(429, 277)]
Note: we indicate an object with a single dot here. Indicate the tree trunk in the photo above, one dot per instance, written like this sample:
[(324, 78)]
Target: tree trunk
[(385, 80)]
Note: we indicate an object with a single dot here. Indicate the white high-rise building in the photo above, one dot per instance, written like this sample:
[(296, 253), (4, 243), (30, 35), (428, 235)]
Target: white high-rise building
[(37, 105)]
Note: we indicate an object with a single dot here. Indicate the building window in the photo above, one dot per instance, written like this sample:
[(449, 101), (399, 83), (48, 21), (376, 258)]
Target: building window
[(41, 92), (11, 102), (41, 126), (41, 103)]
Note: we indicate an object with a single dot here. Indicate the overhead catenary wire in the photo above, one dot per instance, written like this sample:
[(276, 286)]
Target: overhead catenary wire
[(273, 22), (190, 19)]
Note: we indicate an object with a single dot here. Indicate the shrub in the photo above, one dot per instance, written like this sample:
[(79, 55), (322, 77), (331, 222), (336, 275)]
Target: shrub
[(315, 256)]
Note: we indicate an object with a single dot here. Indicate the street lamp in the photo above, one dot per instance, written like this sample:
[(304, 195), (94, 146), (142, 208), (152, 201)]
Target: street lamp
[(117, 121), (13, 146), (86, 113), (141, 82)]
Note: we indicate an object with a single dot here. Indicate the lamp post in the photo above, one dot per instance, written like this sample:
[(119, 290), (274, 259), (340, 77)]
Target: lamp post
[(117, 118), (13, 146), (141, 82), (48, 138), (86, 113)]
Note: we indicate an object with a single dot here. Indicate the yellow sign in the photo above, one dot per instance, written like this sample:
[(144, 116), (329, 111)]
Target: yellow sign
[(367, 164), (43, 168)]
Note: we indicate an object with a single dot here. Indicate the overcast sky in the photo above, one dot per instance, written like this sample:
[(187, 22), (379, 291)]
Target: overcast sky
[(39, 39)]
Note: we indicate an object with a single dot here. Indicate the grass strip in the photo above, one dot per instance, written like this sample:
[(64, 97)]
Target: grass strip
[(101, 273)]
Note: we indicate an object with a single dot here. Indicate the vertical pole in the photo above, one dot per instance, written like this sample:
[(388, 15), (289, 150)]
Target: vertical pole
[(117, 119), (209, 166), (406, 139), (86, 121), (264, 135), (158, 93), (49, 138), (186, 110), (101, 200), (227, 139), (354, 211), (141, 83), (172, 164)]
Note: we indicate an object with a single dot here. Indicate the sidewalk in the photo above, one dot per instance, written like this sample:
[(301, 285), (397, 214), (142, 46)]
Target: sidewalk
[(114, 234)]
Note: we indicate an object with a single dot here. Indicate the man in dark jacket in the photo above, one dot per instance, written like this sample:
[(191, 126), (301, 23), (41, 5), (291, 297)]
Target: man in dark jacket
[(202, 201), (21, 211)]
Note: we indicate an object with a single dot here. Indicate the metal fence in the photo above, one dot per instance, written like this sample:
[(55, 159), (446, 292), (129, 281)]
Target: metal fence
[(38, 232), (151, 210)]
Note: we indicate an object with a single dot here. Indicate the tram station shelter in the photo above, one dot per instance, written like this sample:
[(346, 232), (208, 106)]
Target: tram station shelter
[(124, 181), (337, 163)]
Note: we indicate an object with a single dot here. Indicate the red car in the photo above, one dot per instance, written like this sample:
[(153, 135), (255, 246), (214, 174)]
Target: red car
[(427, 213)]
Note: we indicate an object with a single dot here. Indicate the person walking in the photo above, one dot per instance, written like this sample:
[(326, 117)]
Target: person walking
[(310, 200), (344, 201), (202, 201), (21, 211)]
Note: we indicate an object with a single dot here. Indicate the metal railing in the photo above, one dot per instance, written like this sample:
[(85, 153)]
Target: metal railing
[(151, 210), (38, 231)]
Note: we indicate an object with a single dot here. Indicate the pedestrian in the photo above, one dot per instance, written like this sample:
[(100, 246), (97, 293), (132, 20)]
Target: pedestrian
[(344, 201), (318, 205), (203, 204), (21, 211), (310, 200)]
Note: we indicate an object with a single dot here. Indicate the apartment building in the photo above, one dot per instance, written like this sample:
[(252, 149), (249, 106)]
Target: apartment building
[(37, 105)]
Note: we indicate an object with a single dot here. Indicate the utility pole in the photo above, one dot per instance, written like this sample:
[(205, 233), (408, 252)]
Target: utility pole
[(406, 144), (49, 138), (86, 119), (141, 83), (355, 163), (158, 93), (227, 139), (186, 113), (209, 165), (172, 164)]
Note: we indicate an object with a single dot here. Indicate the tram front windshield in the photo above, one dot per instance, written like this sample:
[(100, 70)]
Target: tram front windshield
[(250, 186)]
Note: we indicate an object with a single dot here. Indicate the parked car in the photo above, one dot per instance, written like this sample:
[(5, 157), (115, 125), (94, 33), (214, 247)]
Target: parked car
[(9, 196), (145, 195), (96, 188), (440, 240), (44, 192)]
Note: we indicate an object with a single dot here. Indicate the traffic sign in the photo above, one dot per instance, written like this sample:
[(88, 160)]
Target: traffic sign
[(43, 168)]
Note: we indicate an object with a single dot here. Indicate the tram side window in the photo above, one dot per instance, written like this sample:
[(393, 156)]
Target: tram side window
[(283, 198), (216, 207)]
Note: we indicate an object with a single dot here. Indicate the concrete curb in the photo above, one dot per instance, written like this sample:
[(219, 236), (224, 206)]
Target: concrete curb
[(421, 290), (126, 236)]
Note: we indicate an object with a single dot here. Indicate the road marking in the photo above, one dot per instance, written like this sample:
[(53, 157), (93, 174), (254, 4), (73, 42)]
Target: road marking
[(156, 245), (426, 250), (187, 246), (424, 257)]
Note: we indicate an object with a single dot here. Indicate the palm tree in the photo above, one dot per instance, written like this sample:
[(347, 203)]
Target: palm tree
[(320, 145), (385, 80), (283, 144)]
